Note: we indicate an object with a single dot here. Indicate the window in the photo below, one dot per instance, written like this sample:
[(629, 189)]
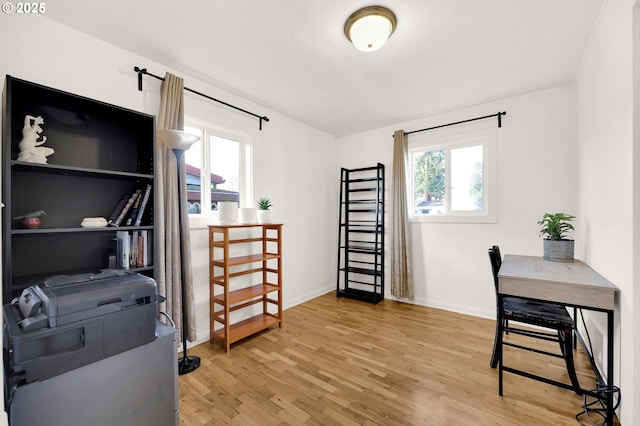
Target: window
[(218, 168), (452, 177)]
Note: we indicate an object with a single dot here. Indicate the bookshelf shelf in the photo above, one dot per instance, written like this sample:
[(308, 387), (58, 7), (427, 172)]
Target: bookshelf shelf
[(106, 229), (101, 153), (79, 171)]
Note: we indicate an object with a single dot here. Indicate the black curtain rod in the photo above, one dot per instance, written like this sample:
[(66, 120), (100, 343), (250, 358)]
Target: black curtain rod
[(499, 115), (142, 71)]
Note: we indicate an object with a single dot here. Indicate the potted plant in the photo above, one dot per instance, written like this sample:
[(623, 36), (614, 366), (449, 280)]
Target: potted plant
[(227, 212), (264, 216), (554, 230)]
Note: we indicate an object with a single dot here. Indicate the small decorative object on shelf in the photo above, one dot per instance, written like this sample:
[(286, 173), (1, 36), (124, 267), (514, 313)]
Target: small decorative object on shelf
[(227, 212), (30, 149), (31, 220), (93, 222), (247, 215), (554, 228), (264, 216)]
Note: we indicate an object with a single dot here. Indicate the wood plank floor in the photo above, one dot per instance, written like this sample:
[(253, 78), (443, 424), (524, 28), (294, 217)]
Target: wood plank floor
[(344, 362)]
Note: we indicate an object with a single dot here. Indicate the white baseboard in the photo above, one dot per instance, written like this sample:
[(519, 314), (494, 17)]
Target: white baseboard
[(460, 309)]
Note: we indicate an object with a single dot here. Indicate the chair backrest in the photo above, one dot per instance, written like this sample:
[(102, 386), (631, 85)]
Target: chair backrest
[(497, 250), (496, 262)]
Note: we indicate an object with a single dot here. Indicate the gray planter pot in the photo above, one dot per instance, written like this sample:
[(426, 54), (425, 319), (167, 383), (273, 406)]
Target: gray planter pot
[(558, 250)]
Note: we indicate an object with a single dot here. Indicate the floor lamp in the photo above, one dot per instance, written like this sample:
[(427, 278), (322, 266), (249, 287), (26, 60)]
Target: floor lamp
[(179, 141)]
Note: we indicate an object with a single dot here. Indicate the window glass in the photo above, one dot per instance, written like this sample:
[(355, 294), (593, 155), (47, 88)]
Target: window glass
[(224, 159), (429, 181), (467, 186), (217, 169), (453, 177), (193, 166)]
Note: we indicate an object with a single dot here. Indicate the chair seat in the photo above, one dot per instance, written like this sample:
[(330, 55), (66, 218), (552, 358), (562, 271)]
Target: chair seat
[(537, 313)]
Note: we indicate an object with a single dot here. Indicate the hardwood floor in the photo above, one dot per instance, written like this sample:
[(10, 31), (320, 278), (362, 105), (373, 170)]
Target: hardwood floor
[(344, 362)]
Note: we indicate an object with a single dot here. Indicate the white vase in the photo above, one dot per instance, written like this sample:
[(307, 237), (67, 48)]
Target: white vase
[(247, 216), (264, 216), (227, 212)]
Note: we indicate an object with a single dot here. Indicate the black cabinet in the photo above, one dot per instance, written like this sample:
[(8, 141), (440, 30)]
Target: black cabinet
[(101, 152)]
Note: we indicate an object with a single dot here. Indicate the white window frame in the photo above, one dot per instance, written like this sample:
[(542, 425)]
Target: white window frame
[(197, 220), (449, 140)]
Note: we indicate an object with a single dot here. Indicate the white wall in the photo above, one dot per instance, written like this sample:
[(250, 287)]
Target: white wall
[(294, 164), (536, 174), (606, 183)]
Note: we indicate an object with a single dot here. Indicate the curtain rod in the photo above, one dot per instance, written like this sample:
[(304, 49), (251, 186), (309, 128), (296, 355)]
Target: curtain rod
[(499, 115), (142, 71)]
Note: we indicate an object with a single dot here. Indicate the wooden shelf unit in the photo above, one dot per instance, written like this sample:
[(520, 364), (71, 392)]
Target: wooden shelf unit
[(226, 297)]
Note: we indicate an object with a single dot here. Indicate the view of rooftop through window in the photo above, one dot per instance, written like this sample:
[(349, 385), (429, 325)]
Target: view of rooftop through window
[(222, 169)]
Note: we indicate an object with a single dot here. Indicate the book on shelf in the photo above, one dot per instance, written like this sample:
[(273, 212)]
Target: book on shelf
[(115, 249), (140, 254), (118, 209), (132, 249), (127, 207), (147, 248), (124, 249), (134, 212), (143, 205), (133, 252)]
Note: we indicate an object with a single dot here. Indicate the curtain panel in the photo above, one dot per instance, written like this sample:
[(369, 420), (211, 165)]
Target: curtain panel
[(401, 260), (168, 262)]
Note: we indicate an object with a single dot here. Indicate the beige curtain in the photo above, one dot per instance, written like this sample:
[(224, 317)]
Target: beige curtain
[(171, 116), (401, 266)]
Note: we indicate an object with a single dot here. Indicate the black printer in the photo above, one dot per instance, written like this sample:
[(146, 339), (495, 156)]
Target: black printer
[(68, 321)]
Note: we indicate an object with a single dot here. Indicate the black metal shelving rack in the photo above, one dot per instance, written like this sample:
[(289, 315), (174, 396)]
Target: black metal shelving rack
[(361, 234)]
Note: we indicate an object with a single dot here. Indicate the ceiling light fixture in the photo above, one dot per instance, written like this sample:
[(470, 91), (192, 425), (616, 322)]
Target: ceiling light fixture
[(370, 27)]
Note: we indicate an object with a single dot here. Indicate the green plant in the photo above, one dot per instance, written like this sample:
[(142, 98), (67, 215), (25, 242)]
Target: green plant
[(264, 203), (555, 226)]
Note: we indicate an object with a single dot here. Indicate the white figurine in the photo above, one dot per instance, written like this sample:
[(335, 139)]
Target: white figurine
[(30, 149)]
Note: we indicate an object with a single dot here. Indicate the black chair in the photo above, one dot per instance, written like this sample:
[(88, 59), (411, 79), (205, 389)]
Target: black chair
[(537, 313)]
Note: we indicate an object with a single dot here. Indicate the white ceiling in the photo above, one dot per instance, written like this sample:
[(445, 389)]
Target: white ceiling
[(292, 55)]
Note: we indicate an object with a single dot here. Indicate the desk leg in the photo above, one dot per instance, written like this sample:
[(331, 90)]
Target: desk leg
[(575, 331), (610, 339), (499, 336)]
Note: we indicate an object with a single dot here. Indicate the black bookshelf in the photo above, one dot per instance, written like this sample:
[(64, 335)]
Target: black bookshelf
[(102, 152), (361, 244)]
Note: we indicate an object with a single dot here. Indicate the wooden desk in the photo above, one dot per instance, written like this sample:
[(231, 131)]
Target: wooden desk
[(566, 283)]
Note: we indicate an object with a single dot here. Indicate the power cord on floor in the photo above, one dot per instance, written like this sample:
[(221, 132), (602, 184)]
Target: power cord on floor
[(596, 410)]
